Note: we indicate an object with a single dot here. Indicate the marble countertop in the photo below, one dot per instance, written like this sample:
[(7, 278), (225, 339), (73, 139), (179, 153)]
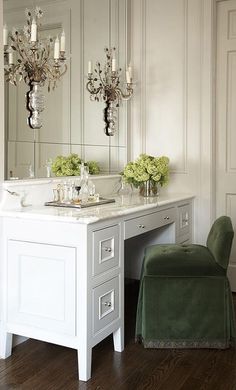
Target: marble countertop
[(124, 205)]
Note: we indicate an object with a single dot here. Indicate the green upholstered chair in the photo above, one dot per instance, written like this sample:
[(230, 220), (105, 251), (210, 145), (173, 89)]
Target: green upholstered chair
[(185, 299)]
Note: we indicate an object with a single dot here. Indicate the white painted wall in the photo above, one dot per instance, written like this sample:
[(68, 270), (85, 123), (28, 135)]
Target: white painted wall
[(171, 46)]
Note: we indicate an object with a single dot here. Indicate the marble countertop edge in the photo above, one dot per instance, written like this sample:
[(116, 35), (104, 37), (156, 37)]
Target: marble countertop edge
[(123, 206)]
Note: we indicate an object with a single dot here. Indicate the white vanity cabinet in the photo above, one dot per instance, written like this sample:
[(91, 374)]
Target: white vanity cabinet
[(63, 284), (62, 270)]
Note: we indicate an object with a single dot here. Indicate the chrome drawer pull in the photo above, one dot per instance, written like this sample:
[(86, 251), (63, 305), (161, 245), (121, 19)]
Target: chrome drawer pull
[(108, 304), (141, 226), (107, 249), (167, 218)]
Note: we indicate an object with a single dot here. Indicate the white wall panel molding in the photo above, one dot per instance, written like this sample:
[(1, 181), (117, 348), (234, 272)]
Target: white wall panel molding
[(159, 107), (226, 119), (230, 111), (2, 140), (205, 212), (81, 80), (232, 24), (138, 56), (172, 110), (230, 207), (143, 76), (182, 167)]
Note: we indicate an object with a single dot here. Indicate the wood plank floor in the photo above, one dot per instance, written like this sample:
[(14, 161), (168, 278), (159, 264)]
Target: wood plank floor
[(35, 365)]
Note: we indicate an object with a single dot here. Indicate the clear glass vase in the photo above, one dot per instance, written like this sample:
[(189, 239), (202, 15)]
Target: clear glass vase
[(149, 188)]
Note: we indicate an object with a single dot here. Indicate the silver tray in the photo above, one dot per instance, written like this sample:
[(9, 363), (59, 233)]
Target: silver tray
[(81, 205)]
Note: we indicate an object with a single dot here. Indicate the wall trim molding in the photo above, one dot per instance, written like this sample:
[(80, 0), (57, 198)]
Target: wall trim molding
[(206, 193), (2, 132), (184, 169)]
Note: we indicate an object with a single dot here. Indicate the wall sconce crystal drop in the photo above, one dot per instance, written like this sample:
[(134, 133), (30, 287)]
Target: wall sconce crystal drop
[(36, 61), (104, 85)]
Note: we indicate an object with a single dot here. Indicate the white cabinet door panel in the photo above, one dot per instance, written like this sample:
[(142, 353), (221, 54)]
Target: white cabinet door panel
[(41, 286)]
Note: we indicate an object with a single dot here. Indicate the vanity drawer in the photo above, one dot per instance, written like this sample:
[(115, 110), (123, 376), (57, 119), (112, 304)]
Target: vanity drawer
[(106, 302), (105, 249), (140, 225), (184, 220)]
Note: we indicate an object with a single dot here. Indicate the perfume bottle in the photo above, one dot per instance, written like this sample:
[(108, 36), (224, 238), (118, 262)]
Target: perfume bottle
[(91, 188), (84, 178)]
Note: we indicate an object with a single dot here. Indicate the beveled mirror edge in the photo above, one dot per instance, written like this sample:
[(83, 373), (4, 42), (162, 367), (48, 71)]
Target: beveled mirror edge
[(47, 180), (2, 135)]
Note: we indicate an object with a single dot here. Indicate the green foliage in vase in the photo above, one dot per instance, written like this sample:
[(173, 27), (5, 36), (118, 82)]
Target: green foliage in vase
[(146, 168), (70, 165)]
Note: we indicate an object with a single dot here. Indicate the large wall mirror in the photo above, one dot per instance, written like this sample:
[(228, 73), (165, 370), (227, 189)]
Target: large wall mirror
[(72, 123)]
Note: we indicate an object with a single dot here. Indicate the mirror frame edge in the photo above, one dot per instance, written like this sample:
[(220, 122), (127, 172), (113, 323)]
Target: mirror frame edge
[(2, 133)]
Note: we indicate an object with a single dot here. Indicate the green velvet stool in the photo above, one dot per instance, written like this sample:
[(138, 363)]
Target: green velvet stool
[(185, 299)]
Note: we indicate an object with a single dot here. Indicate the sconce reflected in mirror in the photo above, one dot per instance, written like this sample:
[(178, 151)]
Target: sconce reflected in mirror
[(104, 85), (36, 62)]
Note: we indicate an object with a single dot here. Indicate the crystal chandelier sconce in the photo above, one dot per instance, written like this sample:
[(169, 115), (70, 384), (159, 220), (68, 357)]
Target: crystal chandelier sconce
[(37, 62), (104, 85)]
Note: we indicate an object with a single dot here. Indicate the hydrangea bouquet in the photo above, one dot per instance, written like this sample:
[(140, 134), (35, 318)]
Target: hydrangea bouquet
[(70, 166), (147, 169)]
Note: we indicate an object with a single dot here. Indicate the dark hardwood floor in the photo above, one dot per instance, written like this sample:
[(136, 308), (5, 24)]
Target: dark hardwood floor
[(35, 365)]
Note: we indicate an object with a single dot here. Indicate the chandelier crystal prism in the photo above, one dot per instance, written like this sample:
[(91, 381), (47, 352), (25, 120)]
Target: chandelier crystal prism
[(36, 61), (104, 85)]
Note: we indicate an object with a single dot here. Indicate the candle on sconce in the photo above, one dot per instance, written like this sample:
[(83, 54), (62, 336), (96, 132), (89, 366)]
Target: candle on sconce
[(10, 58), (5, 35), (113, 65), (33, 34), (90, 67), (130, 70), (56, 49), (63, 41), (128, 78)]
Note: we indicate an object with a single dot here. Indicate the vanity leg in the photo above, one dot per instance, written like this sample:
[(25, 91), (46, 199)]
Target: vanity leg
[(84, 363), (118, 339), (5, 344)]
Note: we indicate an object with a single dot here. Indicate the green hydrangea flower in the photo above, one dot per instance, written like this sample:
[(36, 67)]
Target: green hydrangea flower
[(70, 166), (146, 168)]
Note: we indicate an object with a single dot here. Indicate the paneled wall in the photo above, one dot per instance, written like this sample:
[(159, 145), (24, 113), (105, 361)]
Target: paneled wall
[(226, 118), (168, 47), (72, 123)]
